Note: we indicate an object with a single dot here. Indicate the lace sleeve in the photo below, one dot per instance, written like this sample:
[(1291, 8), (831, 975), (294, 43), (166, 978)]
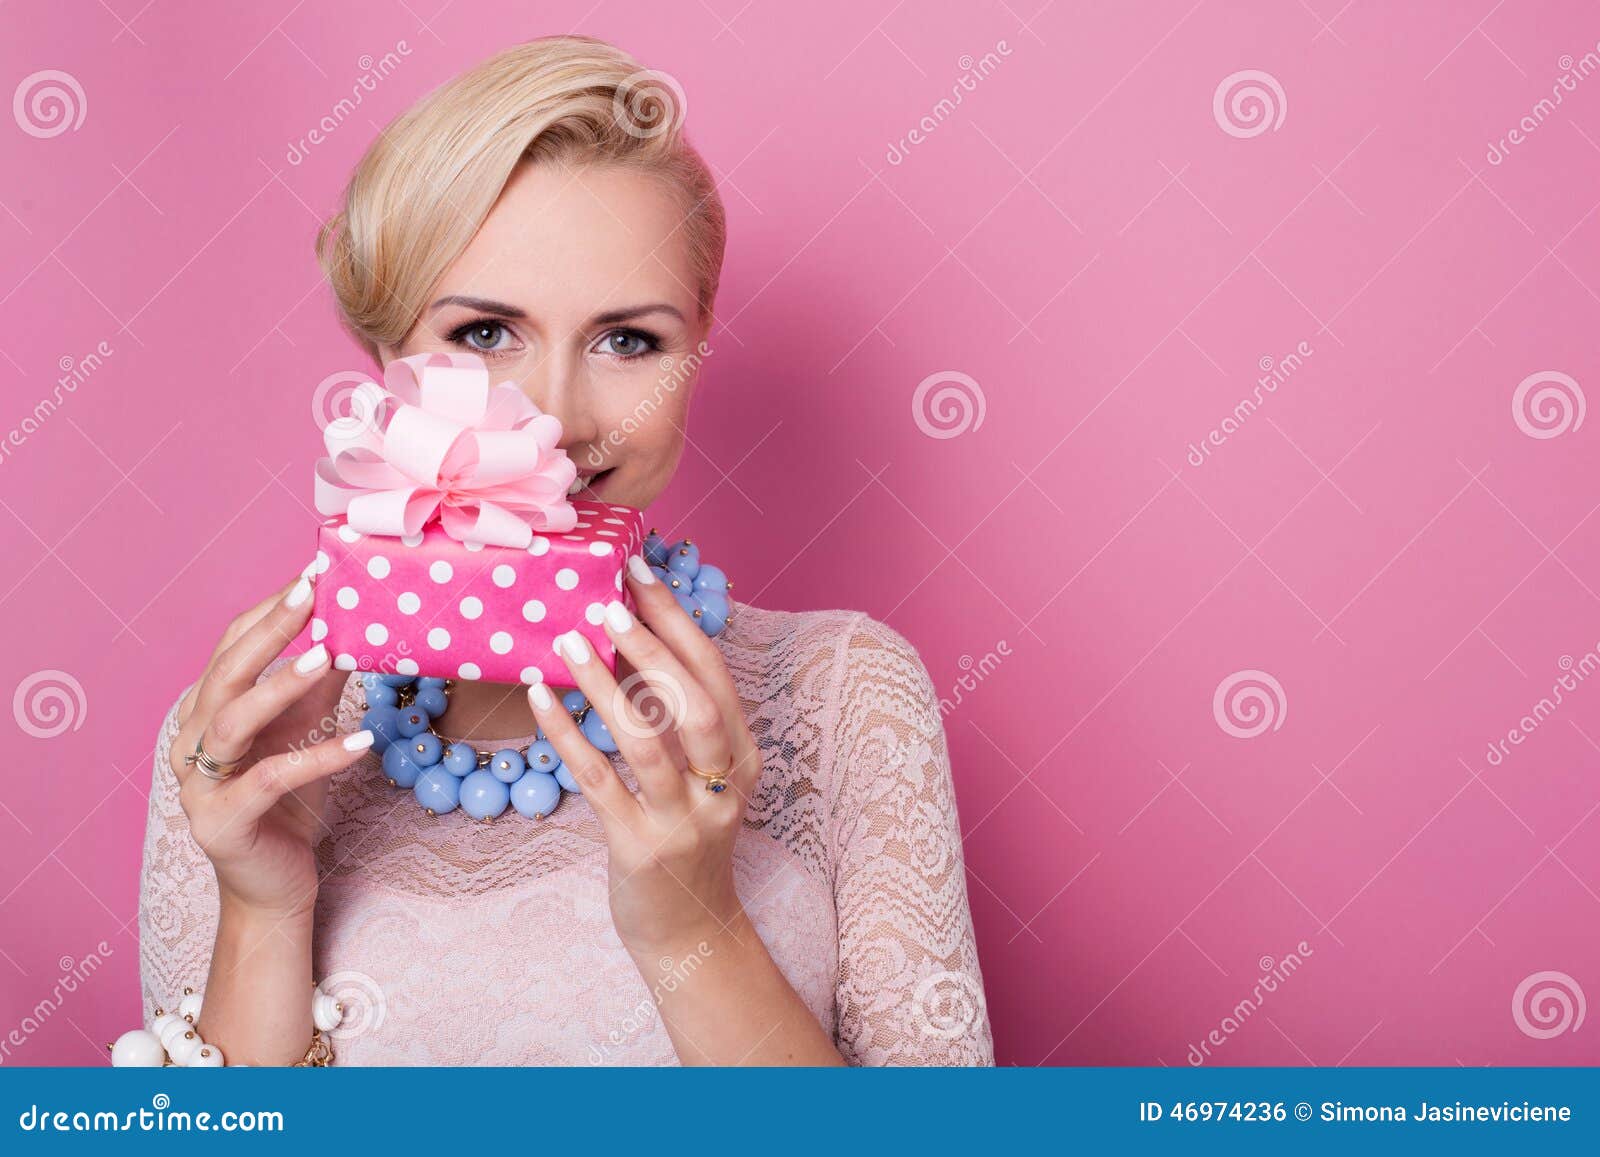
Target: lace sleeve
[(909, 988), (177, 890), (178, 900)]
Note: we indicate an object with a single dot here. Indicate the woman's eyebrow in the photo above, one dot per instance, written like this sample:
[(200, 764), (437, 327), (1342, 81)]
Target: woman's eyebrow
[(481, 304), (612, 317)]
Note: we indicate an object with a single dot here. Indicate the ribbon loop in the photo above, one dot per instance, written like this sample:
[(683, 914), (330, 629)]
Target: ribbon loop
[(438, 442)]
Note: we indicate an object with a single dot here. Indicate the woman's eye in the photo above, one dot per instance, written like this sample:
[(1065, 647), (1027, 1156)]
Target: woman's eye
[(626, 343), (484, 336)]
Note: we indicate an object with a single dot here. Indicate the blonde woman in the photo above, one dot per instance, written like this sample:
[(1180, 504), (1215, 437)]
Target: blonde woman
[(545, 212)]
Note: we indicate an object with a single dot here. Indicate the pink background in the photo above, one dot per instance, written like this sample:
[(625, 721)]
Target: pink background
[(1081, 237)]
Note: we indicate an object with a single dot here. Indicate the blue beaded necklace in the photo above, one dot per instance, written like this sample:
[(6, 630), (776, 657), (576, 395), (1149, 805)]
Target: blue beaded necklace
[(445, 775)]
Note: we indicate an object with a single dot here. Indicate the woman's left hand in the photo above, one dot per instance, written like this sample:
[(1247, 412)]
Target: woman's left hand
[(671, 862)]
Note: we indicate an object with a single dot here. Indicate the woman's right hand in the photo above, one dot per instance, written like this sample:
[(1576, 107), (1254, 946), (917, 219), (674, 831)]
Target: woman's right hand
[(259, 826)]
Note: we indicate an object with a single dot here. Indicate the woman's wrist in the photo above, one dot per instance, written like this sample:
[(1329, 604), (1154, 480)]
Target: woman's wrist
[(692, 940)]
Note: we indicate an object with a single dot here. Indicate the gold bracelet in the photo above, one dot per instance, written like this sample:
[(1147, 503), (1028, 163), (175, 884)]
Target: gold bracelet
[(319, 1055)]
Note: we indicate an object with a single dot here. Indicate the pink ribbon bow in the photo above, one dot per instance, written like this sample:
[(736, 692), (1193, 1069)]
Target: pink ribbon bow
[(438, 441)]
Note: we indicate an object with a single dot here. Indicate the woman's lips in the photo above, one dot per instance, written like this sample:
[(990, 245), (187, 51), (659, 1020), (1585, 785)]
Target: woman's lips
[(586, 483)]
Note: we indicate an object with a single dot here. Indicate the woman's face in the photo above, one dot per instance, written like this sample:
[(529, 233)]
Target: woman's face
[(579, 288)]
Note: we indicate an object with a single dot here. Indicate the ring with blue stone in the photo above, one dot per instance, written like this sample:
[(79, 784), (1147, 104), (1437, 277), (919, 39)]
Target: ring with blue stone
[(716, 781)]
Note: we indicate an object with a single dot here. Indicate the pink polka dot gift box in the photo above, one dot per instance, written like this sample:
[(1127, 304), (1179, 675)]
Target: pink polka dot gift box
[(454, 549)]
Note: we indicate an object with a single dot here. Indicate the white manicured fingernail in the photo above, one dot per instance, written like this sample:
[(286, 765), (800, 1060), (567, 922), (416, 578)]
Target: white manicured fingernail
[(574, 647), (618, 618), (311, 660), (358, 740), (540, 697), (640, 570), (299, 594)]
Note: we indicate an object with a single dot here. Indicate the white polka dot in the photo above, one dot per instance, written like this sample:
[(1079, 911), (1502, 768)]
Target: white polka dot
[(601, 549), (378, 567), (411, 540), (438, 638), (440, 571), (619, 580), (566, 578), (595, 613), (470, 671), (614, 521), (406, 667), (471, 607), (348, 598), (323, 562), (539, 545), (474, 547), (573, 537), (583, 525), (319, 630), (377, 634), (344, 661), (531, 675), (607, 534), (533, 610), (500, 642), (408, 603), (503, 575), (348, 535)]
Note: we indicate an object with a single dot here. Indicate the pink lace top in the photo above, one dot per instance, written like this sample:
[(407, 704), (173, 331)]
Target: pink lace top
[(453, 942)]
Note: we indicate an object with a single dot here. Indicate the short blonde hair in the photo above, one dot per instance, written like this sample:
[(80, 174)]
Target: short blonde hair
[(424, 187)]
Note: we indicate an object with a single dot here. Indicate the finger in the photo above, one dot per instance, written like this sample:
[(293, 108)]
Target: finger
[(231, 732), (660, 779), (237, 626), (252, 792), (240, 664), (661, 612), (612, 800), (701, 725)]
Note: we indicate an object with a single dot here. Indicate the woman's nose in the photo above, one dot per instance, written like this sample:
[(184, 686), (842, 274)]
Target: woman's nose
[(557, 392)]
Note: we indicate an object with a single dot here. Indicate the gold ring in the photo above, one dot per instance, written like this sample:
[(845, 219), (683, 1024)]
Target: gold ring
[(716, 781), (208, 765)]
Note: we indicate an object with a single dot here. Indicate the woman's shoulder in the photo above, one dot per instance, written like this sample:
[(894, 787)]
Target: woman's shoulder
[(837, 648)]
